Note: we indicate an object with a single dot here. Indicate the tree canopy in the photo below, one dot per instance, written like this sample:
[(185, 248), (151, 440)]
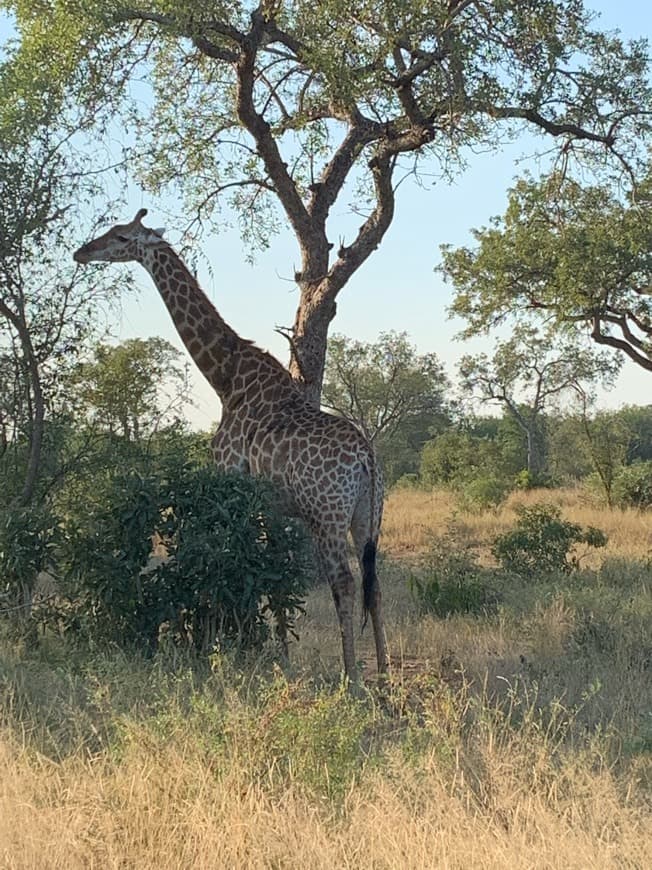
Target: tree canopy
[(293, 109), (577, 255), (381, 385), (132, 388)]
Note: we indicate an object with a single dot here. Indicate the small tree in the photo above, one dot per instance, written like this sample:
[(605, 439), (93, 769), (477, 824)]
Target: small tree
[(47, 315), (542, 542), (606, 438), (45, 308), (526, 373), (392, 393), (132, 388)]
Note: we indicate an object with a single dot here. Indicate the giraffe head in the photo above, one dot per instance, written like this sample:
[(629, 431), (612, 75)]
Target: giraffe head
[(121, 244)]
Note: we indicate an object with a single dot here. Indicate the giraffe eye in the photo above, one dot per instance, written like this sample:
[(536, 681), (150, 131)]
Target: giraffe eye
[(122, 238)]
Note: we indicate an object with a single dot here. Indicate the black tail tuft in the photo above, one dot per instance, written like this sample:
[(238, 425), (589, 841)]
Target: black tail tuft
[(369, 579)]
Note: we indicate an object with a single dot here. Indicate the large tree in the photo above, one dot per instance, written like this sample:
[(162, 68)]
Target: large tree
[(568, 253), (308, 105)]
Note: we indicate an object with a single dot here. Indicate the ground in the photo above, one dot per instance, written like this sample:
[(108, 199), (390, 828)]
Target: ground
[(516, 732)]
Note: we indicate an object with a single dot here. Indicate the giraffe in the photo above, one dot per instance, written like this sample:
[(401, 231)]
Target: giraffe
[(324, 465)]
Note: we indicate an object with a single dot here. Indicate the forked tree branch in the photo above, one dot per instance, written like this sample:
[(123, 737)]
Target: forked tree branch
[(612, 341)]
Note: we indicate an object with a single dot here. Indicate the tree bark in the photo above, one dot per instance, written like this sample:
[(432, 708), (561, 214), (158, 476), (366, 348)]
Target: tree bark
[(37, 404)]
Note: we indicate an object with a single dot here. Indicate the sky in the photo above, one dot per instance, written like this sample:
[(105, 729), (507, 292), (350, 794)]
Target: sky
[(396, 289)]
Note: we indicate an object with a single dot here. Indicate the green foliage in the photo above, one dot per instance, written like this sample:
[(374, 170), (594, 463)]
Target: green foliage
[(316, 740), (606, 439), (484, 491), (460, 461), (455, 458), (47, 308), (452, 582), (568, 457), (541, 542), (633, 485), (526, 480), (28, 537), (132, 387), (233, 561), (637, 422), (562, 250), (392, 393)]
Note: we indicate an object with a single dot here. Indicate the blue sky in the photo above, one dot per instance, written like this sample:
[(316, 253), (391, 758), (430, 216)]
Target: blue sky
[(397, 288)]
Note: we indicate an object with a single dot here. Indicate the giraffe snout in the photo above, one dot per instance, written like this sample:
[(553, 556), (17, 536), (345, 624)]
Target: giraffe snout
[(81, 255)]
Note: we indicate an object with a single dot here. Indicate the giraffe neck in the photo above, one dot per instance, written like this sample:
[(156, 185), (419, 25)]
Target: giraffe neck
[(210, 341), (232, 365)]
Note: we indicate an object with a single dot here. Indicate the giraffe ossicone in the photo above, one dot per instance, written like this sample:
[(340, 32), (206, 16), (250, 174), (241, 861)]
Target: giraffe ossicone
[(325, 466)]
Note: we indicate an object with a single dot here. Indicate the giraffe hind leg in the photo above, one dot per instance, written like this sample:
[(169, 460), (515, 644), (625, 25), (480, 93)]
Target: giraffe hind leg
[(365, 549), (335, 566)]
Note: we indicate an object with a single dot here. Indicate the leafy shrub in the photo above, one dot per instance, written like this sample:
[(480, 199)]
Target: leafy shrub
[(453, 582), (317, 740), (28, 537), (232, 561), (456, 458), (483, 492), (542, 542), (527, 480), (633, 485)]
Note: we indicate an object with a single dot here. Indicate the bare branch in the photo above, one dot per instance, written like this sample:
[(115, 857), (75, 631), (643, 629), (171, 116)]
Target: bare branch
[(266, 144)]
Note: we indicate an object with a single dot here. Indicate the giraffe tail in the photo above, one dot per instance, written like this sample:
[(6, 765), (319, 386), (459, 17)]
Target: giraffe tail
[(369, 579)]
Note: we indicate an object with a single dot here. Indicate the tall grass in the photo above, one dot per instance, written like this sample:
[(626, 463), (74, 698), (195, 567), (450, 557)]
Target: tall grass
[(222, 771), (413, 516), (516, 737)]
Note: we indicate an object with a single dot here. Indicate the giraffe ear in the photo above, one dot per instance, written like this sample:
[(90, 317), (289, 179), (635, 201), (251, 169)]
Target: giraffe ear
[(153, 237), (159, 231)]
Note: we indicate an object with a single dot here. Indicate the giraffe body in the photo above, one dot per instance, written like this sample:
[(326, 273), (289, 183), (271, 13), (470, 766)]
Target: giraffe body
[(323, 464)]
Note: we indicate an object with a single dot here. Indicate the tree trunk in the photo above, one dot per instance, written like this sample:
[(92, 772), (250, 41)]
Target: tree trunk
[(535, 450), (309, 339)]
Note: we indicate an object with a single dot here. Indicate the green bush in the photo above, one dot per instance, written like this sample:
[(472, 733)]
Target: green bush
[(483, 492), (452, 582), (542, 542), (28, 537), (633, 485), (456, 458), (527, 480), (233, 560)]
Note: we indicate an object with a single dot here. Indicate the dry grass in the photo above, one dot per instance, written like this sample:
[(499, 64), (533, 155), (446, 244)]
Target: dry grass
[(520, 738), (413, 516), (163, 807)]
